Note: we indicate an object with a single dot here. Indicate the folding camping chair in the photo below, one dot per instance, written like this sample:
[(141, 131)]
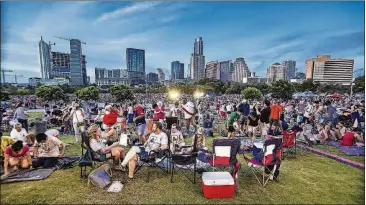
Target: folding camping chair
[(289, 144), (224, 155), (155, 161), (185, 162), (268, 161), (85, 145)]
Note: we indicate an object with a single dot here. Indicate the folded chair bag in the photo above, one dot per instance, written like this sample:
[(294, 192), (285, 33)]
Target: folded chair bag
[(101, 177), (86, 160)]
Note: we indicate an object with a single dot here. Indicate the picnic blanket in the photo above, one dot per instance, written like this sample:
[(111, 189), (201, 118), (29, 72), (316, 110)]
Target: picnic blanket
[(39, 174), (348, 150)]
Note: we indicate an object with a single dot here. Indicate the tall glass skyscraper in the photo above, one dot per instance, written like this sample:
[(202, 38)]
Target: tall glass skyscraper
[(45, 59), (197, 62), (76, 71), (135, 60), (177, 70)]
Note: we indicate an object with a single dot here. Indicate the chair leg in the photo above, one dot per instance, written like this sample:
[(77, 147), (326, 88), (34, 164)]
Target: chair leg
[(172, 170), (194, 174)]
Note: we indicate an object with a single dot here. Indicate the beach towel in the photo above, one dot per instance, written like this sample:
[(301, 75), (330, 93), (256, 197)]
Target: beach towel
[(348, 150)]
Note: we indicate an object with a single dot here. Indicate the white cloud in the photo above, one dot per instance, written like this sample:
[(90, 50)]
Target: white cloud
[(137, 7)]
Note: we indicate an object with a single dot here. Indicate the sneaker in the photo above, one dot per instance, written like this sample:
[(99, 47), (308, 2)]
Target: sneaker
[(119, 168), (129, 180)]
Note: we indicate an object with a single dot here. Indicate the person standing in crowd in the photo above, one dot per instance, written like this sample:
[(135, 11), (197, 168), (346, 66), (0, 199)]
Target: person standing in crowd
[(234, 117), (264, 118), (110, 116), (140, 122), (78, 121), (175, 111), (159, 111), (276, 110), (252, 125), (189, 111), (21, 115), (130, 113), (244, 109)]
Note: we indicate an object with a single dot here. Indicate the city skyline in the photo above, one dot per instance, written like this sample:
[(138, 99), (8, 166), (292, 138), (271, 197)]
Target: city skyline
[(256, 31)]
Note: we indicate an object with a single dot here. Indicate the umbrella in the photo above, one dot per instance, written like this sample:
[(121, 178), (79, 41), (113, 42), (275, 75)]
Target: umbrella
[(336, 95)]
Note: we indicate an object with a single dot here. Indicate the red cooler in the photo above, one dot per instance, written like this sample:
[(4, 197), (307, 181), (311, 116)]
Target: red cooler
[(216, 185)]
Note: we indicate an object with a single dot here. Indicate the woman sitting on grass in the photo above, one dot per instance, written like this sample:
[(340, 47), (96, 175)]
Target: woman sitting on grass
[(104, 152), (15, 155)]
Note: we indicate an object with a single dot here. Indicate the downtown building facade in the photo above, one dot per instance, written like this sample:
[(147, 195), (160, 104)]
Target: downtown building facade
[(152, 78), (323, 69), (71, 66), (212, 70), (105, 76), (161, 74), (135, 62), (240, 70), (226, 68), (197, 61), (289, 67), (275, 72), (177, 70)]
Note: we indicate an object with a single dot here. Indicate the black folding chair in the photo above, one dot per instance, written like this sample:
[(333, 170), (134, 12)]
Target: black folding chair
[(150, 160), (185, 162), (85, 145)]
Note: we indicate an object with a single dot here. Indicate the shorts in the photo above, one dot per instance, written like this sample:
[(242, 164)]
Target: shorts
[(130, 118), (252, 129), (143, 153), (231, 129), (243, 119), (271, 120), (140, 129)]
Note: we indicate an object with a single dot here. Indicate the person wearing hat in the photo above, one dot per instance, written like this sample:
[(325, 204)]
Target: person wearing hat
[(77, 115), (189, 111), (177, 140), (201, 142)]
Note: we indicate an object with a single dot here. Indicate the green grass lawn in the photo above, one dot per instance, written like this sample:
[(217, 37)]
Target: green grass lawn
[(308, 179)]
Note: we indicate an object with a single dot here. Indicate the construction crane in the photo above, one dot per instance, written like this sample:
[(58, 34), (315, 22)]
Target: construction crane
[(68, 39), (3, 71), (16, 77), (49, 42)]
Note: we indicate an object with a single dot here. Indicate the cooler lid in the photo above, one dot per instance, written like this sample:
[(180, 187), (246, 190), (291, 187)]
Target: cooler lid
[(217, 178)]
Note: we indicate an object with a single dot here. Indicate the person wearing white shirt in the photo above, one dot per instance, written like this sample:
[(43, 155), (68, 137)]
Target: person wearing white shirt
[(19, 133), (78, 121)]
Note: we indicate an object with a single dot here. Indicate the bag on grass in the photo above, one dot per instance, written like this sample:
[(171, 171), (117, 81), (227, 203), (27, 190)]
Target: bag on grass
[(86, 160), (101, 177)]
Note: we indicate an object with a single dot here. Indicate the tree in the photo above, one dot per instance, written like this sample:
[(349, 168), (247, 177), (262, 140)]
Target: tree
[(88, 93), (359, 84), (308, 85), (121, 92), (4, 95), (49, 92), (252, 93), (23, 91), (282, 89), (67, 89)]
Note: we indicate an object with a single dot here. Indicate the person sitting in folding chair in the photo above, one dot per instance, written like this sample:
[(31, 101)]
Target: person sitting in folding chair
[(112, 151), (176, 147), (157, 141)]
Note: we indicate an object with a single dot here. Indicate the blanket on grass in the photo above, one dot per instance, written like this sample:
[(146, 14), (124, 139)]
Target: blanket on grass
[(38, 174), (348, 150)]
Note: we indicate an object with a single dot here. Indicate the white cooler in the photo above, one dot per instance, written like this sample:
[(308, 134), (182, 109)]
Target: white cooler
[(217, 185)]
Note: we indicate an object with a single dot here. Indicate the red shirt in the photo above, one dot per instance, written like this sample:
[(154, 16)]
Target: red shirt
[(160, 115), (10, 152), (110, 118), (348, 139), (275, 111)]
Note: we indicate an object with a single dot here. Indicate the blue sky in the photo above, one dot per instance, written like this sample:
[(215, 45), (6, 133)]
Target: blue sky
[(261, 32)]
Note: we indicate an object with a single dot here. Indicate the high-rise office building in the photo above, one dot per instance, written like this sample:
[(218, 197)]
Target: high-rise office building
[(226, 68), (289, 67), (177, 70), (45, 59), (76, 70), (61, 66), (197, 61), (309, 64), (161, 74), (334, 71), (135, 60), (152, 77), (240, 70), (105, 76), (212, 70), (275, 72)]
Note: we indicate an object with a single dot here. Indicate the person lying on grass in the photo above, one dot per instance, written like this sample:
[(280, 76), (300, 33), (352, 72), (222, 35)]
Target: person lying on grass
[(103, 151), (350, 138), (157, 141), (46, 150), (16, 155)]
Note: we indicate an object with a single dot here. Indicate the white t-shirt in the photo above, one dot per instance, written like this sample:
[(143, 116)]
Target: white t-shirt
[(15, 135), (50, 148), (96, 145), (175, 111), (77, 116), (155, 141), (130, 110)]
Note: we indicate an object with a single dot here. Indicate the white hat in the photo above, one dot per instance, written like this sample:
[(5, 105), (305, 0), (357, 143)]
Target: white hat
[(200, 131), (108, 107), (190, 104), (244, 101)]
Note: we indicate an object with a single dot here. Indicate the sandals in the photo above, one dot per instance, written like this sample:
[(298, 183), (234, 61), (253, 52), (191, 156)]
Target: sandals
[(129, 180), (119, 168)]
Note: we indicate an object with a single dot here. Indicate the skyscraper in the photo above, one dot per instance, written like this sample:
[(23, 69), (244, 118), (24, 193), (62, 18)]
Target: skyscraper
[(289, 67), (76, 70), (61, 66), (309, 64), (197, 62), (275, 72), (333, 71), (135, 60), (212, 70), (45, 59), (240, 70), (177, 70), (226, 68), (161, 74)]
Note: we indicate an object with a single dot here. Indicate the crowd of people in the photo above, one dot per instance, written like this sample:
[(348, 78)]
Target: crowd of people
[(149, 118)]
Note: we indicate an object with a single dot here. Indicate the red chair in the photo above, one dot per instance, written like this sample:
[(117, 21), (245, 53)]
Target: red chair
[(289, 144)]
